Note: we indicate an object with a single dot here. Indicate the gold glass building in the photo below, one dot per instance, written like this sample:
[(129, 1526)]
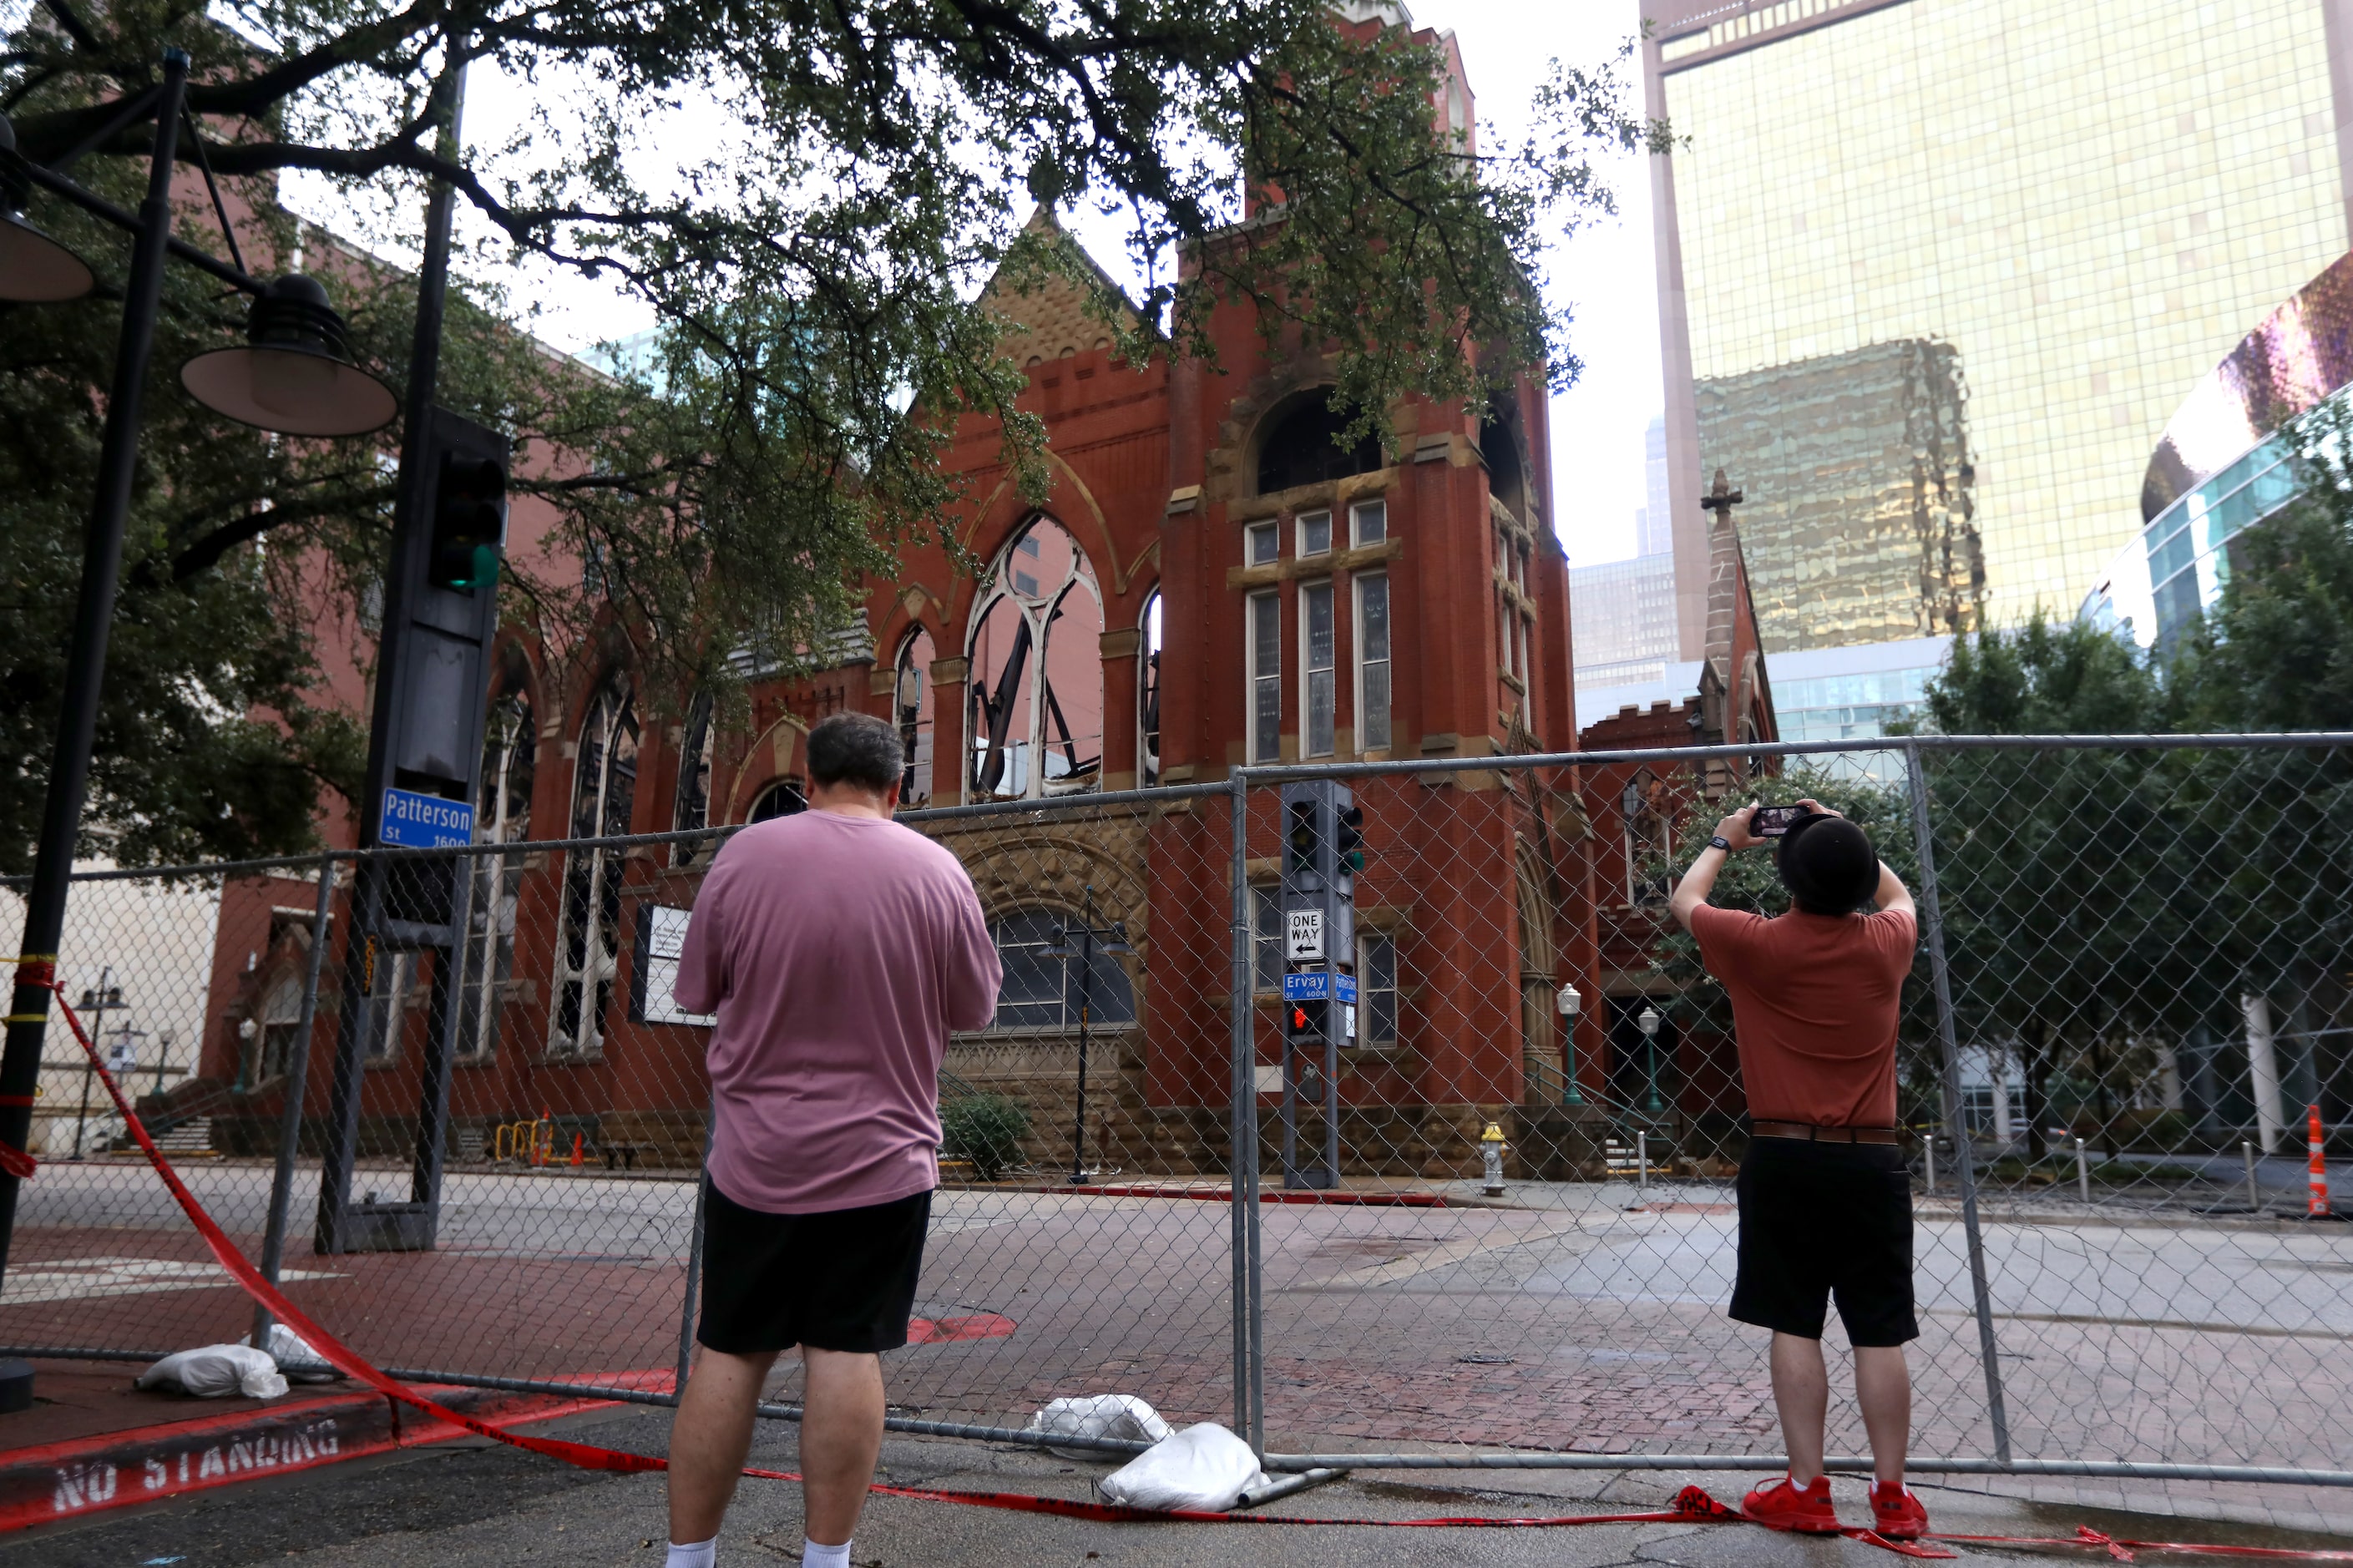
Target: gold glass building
[(2076, 206)]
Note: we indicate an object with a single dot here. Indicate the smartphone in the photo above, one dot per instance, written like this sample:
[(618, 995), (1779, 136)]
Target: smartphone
[(1773, 821)]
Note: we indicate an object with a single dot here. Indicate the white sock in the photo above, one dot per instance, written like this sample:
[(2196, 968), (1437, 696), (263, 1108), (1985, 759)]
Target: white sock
[(816, 1556), (697, 1554)]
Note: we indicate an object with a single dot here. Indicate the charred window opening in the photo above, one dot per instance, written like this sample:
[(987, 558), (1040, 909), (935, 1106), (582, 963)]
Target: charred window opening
[(502, 815), (1037, 695), (587, 951), (785, 797), (1301, 449), (1147, 694), (691, 808), (911, 710), (1506, 480)]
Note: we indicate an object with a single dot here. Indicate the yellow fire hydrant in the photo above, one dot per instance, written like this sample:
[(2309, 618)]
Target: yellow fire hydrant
[(1492, 1147)]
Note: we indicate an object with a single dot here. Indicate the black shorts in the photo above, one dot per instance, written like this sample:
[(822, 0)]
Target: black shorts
[(842, 1280), (1823, 1221)]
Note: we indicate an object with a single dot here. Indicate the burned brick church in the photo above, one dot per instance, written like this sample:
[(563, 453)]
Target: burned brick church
[(1211, 583)]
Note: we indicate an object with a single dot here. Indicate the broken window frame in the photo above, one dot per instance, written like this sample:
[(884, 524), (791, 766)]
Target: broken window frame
[(588, 936), (994, 754)]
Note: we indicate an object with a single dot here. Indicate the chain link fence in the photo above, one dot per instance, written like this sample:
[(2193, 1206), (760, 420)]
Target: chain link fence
[(2134, 996)]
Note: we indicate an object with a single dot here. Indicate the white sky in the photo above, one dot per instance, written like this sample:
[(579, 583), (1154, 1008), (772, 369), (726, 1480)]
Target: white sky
[(1604, 274)]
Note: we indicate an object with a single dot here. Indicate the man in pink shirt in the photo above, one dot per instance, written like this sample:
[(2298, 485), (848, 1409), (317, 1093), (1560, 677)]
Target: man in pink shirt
[(838, 949)]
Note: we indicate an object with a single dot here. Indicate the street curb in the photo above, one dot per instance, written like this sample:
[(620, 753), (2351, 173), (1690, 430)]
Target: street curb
[(115, 1470)]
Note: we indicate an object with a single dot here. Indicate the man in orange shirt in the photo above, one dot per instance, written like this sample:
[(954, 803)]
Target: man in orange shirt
[(1825, 1195)]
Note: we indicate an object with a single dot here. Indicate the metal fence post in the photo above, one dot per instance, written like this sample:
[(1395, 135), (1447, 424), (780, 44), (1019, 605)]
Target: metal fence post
[(1964, 1162), (289, 1120), (1243, 1135)]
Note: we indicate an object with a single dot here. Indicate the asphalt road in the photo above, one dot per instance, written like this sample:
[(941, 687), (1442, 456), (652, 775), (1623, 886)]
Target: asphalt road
[(465, 1504), (1572, 1316)]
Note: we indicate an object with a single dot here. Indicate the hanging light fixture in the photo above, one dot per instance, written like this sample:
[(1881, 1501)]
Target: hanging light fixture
[(294, 375), (33, 269)]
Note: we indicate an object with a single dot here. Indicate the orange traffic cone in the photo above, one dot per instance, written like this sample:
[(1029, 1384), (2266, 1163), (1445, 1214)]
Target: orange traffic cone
[(575, 1151), (2316, 1202)]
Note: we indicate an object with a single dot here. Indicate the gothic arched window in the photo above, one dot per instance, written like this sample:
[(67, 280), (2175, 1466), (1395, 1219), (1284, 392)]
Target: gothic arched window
[(604, 791), (911, 710), (502, 815), (691, 808), (1036, 697), (1147, 693), (1300, 450), (782, 798)]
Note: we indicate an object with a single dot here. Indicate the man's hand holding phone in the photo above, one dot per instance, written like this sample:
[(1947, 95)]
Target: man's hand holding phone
[(1737, 831)]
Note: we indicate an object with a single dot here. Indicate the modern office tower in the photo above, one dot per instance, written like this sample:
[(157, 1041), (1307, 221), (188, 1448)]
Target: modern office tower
[(1860, 488), (1622, 613), (1622, 617), (2035, 227), (1654, 520)]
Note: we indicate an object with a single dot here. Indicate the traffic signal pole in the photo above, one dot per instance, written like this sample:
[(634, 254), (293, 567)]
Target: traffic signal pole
[(1322, 853), (425, 753)]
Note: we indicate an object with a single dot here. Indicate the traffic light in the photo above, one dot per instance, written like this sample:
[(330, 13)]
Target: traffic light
[(1303, 835), (469, 522), (1349, 842), (1304, 1020)]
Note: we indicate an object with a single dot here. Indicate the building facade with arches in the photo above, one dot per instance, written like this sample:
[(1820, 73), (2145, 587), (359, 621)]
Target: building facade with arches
[(1210, 581)]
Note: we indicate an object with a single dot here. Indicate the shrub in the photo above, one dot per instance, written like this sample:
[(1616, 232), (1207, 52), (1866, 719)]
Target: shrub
[(986, 1129)]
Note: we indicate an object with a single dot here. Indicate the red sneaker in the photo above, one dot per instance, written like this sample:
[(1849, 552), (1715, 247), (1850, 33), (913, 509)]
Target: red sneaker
[(1897, 1513), (1785, 1505)]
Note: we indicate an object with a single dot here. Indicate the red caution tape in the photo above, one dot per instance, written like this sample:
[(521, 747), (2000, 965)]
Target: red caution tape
[(17, 1163), (1693, 1504)]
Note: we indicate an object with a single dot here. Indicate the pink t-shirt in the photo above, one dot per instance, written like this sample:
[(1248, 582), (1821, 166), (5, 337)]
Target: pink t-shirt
[(838, 952)]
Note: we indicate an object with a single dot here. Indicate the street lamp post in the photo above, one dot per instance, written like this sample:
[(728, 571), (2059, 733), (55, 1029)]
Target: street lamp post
[(1570, 1002), (1648, 1022), (33, 269)]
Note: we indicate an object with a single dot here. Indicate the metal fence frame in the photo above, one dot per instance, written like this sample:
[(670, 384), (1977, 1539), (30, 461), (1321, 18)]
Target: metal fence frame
[(1245, 1200)]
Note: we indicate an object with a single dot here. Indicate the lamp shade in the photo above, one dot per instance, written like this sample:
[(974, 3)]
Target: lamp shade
[(33, 269), (294, 374)]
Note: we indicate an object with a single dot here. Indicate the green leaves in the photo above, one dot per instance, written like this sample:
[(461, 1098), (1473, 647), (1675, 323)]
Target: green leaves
[(811, 198)]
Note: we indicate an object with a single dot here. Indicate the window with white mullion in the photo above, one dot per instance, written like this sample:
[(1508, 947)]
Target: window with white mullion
[(1264, 634), (1319, 664), (1373, 663)]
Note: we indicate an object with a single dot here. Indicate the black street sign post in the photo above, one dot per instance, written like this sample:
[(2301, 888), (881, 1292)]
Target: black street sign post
[(425, 758), (1319, 860)]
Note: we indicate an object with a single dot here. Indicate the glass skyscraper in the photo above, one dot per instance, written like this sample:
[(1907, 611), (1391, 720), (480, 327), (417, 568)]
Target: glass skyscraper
[(2063, 214)]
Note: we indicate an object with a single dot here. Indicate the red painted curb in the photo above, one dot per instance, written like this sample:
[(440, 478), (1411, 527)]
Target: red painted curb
[(1225, 1195), (114, 1470)]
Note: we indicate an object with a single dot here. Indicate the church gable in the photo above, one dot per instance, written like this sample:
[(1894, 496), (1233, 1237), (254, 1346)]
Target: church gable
[(1050, 320)]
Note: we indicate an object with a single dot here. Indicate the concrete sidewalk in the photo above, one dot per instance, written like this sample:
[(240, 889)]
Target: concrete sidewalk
[(469, 1503)]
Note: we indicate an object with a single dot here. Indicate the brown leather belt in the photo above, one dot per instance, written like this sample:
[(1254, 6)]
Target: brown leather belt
[(1825, 1134)]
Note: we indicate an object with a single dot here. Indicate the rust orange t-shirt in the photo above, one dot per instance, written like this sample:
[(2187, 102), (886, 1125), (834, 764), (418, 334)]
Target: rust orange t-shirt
[(1814, 1001)]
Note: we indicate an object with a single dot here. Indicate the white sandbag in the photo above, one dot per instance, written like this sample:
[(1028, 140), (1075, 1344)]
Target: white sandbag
[(212, 1371), (1121, 1416), (1203, 1466), (295, 1357)]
